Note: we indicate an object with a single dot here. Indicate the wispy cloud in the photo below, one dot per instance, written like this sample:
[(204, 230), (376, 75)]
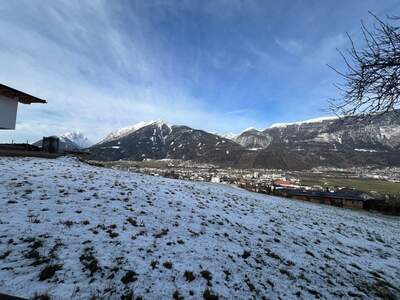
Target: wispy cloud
[(292, 46), (215, 65), (320, 52), (96, 75)]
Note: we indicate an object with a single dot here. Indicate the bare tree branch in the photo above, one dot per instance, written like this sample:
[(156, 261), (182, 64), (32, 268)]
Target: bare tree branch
[(371, 81)]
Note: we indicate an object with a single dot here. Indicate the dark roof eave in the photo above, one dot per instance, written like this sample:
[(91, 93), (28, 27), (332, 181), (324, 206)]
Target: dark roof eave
[(21, 96)]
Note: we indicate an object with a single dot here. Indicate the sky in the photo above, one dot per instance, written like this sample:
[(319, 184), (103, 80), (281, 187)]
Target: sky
[(220, 65)]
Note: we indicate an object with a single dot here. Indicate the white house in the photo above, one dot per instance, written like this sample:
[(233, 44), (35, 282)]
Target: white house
[(215, 179), (9, 99)]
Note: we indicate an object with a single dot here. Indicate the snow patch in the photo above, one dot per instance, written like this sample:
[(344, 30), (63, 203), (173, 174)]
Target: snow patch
[(315, 120), (366, 150), (229, 135), (99, 225)]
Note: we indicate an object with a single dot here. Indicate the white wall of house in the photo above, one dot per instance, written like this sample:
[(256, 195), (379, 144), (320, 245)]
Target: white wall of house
[(8, 112)]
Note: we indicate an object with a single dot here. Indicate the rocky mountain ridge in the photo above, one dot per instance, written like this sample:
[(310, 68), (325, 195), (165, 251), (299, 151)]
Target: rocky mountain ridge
[(326, 142), (376, 134), (78, 138)]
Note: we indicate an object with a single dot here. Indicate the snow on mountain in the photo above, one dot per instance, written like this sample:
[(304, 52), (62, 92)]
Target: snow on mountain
[(95, 231), (159, 140), (315, 120), (326, 141), (249, 129), (121, 132), (254, 139), (229, 135), (276, 147), (275, 125), (78, 138)]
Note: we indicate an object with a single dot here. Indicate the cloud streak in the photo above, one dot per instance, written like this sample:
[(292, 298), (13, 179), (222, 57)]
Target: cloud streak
[(102, 65), (96, 76)]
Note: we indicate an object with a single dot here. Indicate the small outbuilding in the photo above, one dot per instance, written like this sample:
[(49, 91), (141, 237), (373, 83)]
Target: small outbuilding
[(51, 144), (9, 99)]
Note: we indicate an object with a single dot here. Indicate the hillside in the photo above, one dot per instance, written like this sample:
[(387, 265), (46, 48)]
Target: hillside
[(100, 232)]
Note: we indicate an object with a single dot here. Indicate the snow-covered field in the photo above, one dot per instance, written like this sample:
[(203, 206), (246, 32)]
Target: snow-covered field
[(71, 230)]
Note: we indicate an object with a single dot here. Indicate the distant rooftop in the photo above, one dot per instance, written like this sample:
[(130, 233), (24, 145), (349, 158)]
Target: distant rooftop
[(18, 95)]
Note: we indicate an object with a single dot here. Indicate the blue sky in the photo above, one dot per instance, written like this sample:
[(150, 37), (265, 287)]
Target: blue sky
[(221, 65)]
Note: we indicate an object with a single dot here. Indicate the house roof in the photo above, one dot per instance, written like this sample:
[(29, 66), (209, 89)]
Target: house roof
[(20, 96)]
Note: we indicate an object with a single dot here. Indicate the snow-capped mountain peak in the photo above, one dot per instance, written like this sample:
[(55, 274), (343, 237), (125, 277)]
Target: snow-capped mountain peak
[(77, 138), (250, 129), (124, 131), (229, 135), (161, 123)]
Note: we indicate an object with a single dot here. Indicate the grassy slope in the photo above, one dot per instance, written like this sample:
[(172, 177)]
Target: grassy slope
[(368, 185)]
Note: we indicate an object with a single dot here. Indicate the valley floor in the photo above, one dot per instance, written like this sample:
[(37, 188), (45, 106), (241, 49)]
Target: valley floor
[(71, 230)]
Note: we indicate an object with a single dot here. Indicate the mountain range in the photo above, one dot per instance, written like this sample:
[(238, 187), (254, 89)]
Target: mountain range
[(329, 142)]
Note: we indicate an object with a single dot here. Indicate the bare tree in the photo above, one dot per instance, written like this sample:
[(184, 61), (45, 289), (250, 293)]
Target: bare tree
[(372, 79)]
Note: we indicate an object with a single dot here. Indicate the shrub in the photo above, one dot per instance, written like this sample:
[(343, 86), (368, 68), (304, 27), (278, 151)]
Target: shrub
[(49, 271), (206, 274), (167, 264), (130, 276), (41, 297), (246, 254), (5, 254), (209, 295), (189, 276), (132, 221), (89, 261), (177, 296)]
